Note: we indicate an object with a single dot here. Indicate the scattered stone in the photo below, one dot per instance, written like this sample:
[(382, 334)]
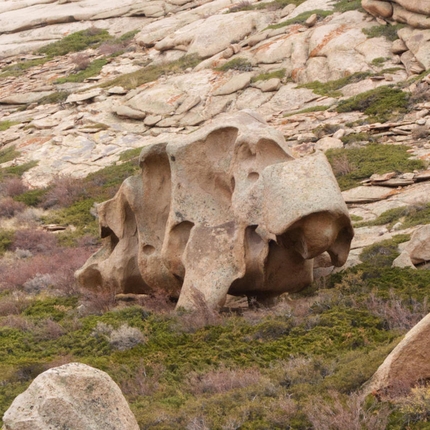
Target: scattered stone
[(366, 194), (117, 91), (236, 83), (81, 97), (269, 85), (129, 112), (327, 143), (24, 98)]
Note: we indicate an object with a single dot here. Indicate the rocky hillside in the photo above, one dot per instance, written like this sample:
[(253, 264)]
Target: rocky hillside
[(84, 85)]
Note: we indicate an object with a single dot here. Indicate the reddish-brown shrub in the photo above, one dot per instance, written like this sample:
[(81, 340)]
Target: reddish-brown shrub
[(141, 382), (35, 241), (60, 266), (48, 329), (81, 61), (18, 322), (222, 380), (64, 191), (396, 314), (341, 414), (11, 187), (9, 207)]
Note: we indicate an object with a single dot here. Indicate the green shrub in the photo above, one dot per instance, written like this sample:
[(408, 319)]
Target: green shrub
[(238, 63), (17, 170), (152, 72), (93, 69), (4, 125), (365, 161), (269, 75), (6, 240), (378, 62), (17, 69), (8, 154), (300, 19), (383, 253), (54, 98), (346, 5), (307, 110), (387, 31), (331, 88), (379, 104), (31, 197), (90, 38)]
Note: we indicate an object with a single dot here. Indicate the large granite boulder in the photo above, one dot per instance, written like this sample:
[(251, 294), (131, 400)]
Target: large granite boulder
[(225, 210), (407, 365), (73, 396)]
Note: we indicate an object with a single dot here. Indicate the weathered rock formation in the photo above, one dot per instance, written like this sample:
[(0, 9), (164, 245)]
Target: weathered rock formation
[(225, 210), (407, 365), (417, 250), (73, 396), (412, 12)]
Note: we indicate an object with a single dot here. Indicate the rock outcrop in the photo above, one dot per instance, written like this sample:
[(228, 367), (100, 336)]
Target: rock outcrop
[(412, 12), (74, 396), (226, 210), (407, 365)]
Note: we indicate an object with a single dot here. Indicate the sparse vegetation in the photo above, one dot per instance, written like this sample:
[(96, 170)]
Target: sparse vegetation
[(388, 31), (280, 74), (75, 42), (380, 104), (300, 19), (363, 162), (93, 69), (238, 63), (307, 110), (152, 72), (4, 125), (331, 88)]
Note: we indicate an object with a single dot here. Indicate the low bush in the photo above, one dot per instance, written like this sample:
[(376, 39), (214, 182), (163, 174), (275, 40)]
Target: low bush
[(388, 31), (363, 162), (4, 125), (332, 88), (280, 74), (241, 64), (380, 104), (151, 72), (93, 69), (90, 38), (10, 208), (6, 240), (300, 19)]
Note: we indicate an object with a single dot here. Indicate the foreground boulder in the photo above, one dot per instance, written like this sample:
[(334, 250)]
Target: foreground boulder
[(226, 210), (74, 396), (406, 366)]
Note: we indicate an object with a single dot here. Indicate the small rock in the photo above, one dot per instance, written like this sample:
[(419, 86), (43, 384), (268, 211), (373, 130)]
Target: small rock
[(236, 83), (129, 112), (269, 85), (327, 143), (287, 10), (312, 20), (339, 133), (151, 120), (117, 90), (80, 97)]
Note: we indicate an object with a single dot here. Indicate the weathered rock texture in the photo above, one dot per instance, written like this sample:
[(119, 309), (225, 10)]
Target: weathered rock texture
[(407, 365), (74, 396), (413, 12), (225, 210)]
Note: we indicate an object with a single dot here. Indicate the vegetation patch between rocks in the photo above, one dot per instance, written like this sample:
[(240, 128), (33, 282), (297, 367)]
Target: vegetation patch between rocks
[(352, 165)]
